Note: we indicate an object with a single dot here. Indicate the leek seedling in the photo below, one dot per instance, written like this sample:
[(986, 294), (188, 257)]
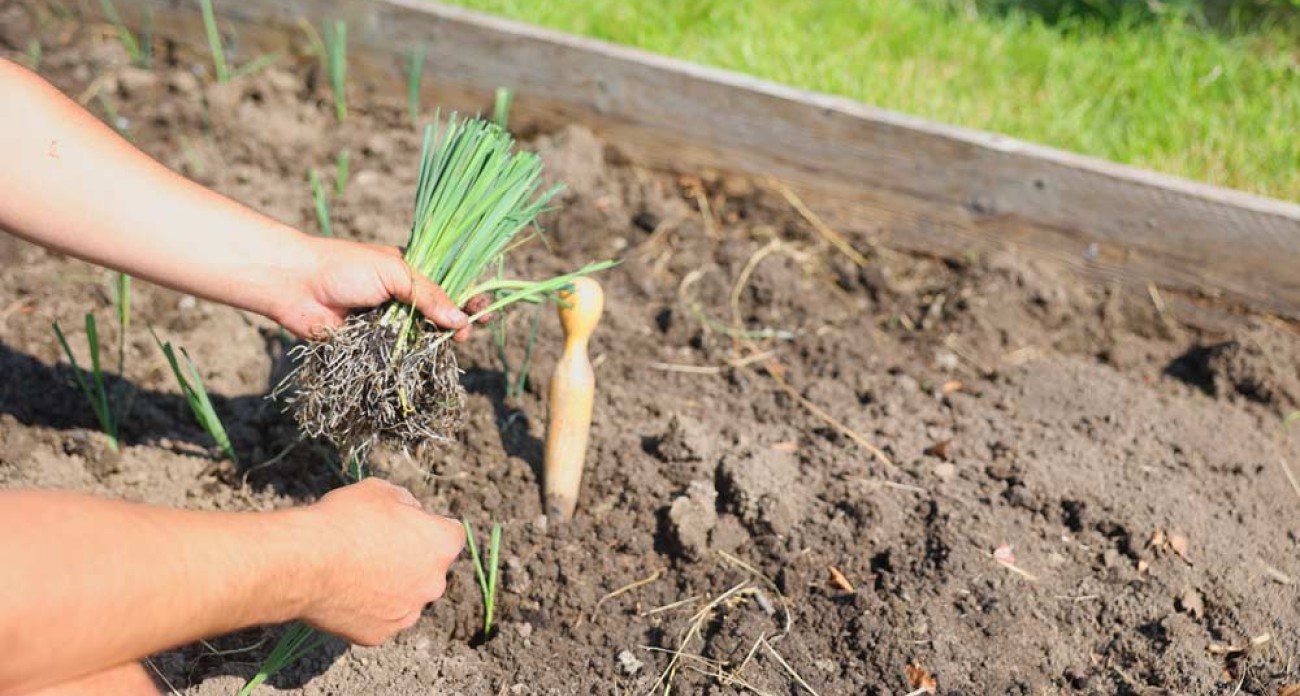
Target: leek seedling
[(298, 640), (95, 391), (501, 108), (336, 58), (322, 204), (34, 54), (197, 397), (515, 387), (386, 372), (414, 76), (487, 575), (123, 319), (341, 166), (140, 51), (214, 42), (221, 68)]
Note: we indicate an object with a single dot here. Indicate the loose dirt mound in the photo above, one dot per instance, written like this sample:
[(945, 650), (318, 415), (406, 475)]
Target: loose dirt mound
[(1082, 494)]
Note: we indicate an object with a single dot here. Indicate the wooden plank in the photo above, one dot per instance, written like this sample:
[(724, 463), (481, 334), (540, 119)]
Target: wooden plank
[(904, 180)]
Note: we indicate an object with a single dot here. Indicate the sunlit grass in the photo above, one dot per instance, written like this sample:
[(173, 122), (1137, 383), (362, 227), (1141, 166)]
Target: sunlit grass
[(1162, 95)]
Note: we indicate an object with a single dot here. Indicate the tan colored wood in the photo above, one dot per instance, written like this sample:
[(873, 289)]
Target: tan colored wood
[(868, 172), (572, 391)]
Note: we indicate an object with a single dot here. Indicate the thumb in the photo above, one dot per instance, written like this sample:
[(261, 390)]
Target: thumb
[(404, 284)]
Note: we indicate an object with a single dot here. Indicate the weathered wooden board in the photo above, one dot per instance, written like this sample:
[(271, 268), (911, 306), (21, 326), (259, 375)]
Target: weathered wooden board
[(866, 171)]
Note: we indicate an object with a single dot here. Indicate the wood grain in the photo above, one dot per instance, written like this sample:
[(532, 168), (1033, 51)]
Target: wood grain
[(866, 171)]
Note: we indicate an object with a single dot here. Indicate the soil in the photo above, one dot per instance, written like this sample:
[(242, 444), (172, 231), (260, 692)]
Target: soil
[(1077, 490)]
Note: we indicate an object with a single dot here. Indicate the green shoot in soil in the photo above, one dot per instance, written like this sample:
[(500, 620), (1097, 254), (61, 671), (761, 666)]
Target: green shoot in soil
[(341, 167), (487, 575), (336, 52), (298, 640), (214, 42), (414, 76), (515, 387), (34, 54), (197, 396), (95, 391), (123, 302), (322, 204), (141, 50), (501, 108), (258, 63)]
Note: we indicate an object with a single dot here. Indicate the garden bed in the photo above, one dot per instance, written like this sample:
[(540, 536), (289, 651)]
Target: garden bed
[(1075, 491)]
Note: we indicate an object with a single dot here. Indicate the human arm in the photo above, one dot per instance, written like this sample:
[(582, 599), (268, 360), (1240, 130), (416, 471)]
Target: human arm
[(70, 183), (91, 583)]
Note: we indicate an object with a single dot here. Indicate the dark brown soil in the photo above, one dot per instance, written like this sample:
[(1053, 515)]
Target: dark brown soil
[(1127, 467)]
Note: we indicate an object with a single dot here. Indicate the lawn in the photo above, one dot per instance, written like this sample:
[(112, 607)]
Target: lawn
[(1218, 107)]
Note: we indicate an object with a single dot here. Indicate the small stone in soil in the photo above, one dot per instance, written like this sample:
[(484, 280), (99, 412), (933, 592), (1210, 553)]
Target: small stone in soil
[(692, 517), (628, 661)]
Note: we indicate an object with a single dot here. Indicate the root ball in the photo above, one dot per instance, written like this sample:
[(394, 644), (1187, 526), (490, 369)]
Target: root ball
[(350, 389)]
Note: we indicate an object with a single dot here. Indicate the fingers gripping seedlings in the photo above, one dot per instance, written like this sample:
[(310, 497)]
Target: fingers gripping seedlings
[(387, 372)]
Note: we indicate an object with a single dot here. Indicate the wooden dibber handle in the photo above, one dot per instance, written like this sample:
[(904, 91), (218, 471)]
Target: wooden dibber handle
[(573, 386)]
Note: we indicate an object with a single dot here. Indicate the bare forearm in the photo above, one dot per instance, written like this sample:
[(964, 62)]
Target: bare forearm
[(70, 183), (92, 583)]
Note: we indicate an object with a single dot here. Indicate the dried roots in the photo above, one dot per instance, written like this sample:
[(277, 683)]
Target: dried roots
[(351, 390)]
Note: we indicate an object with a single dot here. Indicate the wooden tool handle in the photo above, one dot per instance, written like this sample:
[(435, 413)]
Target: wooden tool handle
[(572, 393)]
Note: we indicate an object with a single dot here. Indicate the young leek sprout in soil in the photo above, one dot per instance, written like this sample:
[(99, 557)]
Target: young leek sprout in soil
[(388, 374), (140, 51), (341, 167), (487, 575), (322, 204), (95, 391), (123, 319), (298, 640), (336, 59), (414, 76), (501, 108), (34, 54), (219, 65), (197, 397)]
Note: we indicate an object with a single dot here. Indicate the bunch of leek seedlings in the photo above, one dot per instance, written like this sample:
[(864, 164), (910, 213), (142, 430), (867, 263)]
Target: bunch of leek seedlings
[(387, 373)]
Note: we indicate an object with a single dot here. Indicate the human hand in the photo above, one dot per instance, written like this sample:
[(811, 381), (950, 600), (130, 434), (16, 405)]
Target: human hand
[(343, 275), (387, 559)]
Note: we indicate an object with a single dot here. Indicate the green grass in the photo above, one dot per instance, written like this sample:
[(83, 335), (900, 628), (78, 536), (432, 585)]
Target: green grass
[(1214, 106)]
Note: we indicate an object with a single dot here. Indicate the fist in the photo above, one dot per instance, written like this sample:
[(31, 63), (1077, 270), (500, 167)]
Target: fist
[(386, 559)]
